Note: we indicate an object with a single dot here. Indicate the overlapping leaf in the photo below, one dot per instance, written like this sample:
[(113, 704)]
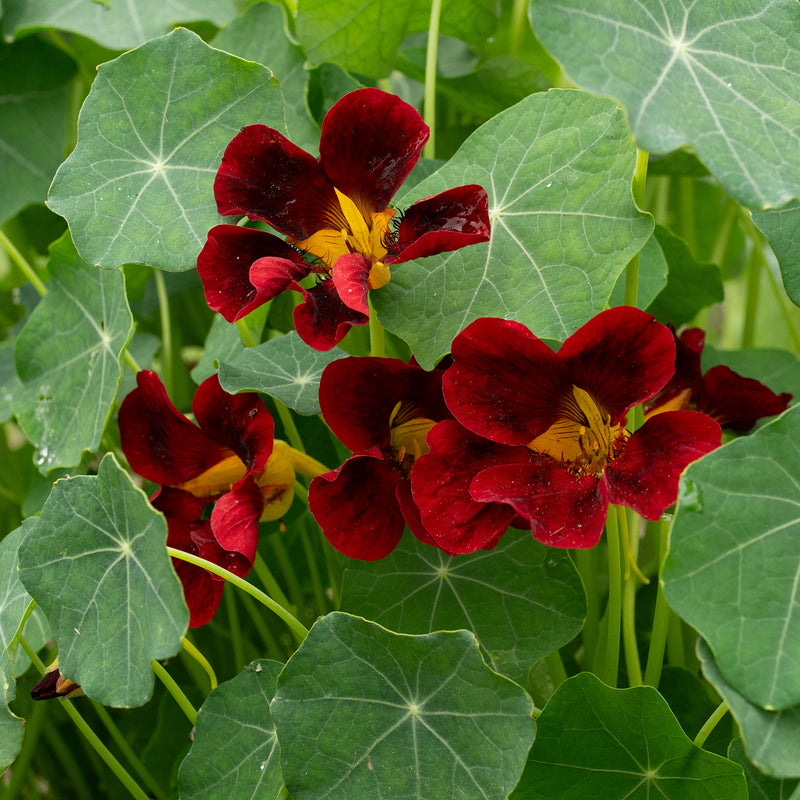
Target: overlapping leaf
[(732, 570), (34, 94), (139, 185), (363, 712), (724, 82), (285, 368), (782, 227), (11, 726), (759, 785), (558, 169), (598, 743), (116, 25), (770, 737), (96, 563), (522, 600), (68, 358), (235, 753), (363, 37)]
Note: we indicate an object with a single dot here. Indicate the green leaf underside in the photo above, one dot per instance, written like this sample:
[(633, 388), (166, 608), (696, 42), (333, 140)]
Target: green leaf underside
[(223, 343), (11, 726), (558, 168), (732, 570), (522, 600), (363, 712), (598, 743), (691, 286), (782, 227), (259, 35), (96, 563), (760, 786), (235, 752), (33, 121), (285, 368), (770, 737), (68, 358), (116, 25), (364, 37), (724, 83), (138, 188)]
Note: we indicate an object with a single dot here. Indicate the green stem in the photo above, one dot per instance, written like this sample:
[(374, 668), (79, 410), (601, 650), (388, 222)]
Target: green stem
[(254, 611), (297, 628), (751, 296), (630, 648), (675, 650), (429, 103), (131, 362), (127, 751), (289, 428), (270, 583), (555, 668), (661, 615), (586, 562), (377, 335), (519, 23), (288, 572), (27, 270), (67, 763), (245, 334), (780, 296), (311, 561), (166, 330), (614, 610), (711, 723), (177, 693), (108, 757), (638, 188), (687, 221), (202, 661), (235, 631)]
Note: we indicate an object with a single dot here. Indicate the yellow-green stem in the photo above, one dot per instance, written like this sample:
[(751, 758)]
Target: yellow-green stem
[(166, 330), (289, 428), (26, 269), (661, 615), (429, 103), (519, 22), (202, 661), (711, 723), (614, 609), (268, 579), (632, 270), (245, 334), (298, 629), (177, 693), (586, 562), (377, 336), (631, 650)]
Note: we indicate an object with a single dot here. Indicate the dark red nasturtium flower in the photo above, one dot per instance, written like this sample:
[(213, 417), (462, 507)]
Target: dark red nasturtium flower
[(731, 399), (381, 409), (335, 211), (228, 459), (568, 411)]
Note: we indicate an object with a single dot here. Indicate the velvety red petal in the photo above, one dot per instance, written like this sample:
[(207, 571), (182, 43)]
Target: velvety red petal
[(447, 221), (645, 475), (440, 481), (688, 375), (504, 383), (737, 402), (266, 177), (563, 510), (356, 508), (622, 356), (410, 512), (241, 422), (159, 442), (350, 277), (224, 266), (323, 320), (358, 394), (370, 141), (234, 519)]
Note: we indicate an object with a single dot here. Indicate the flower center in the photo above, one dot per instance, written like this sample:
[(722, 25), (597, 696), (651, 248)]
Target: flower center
[(408, 430), (582, 436), (352, 231)]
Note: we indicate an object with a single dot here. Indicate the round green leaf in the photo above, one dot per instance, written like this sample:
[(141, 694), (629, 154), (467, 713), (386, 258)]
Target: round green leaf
[(14, 599), (34, 98), (782, 227), (235, 752), (732, 570), (362, 712), (759, 785), (770, 737), (139, 185), (96, 562), (522, 600), (558, 168), (11, 726), (598, 743), (113, 24), (68, 358), (285, 368), (723, 81)]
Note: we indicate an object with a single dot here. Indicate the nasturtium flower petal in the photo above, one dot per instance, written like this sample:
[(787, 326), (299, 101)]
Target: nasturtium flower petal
[(243, 268), (645, 475), (356, 508), (370, 141), (323, 320), (235, 516)]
